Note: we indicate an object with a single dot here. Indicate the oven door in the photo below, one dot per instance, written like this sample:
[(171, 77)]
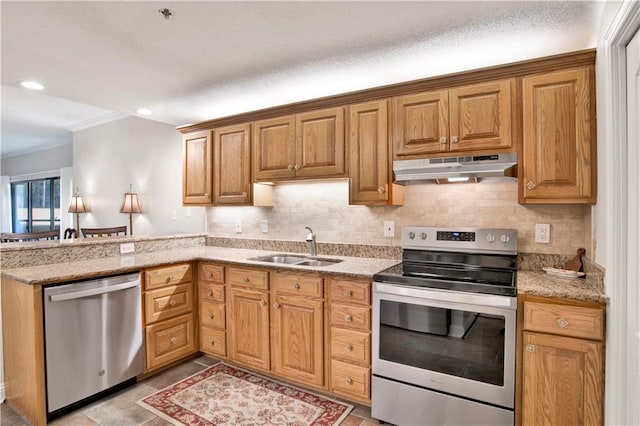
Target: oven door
[(452, 342)]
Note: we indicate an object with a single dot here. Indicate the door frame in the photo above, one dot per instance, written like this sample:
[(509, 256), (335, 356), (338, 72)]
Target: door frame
[(621, 394)]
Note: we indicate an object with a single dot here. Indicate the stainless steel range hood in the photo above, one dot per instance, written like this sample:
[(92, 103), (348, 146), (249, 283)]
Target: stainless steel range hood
[(438, 169)]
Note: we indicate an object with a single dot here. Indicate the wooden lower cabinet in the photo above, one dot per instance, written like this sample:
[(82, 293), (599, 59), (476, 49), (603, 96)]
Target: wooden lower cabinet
[(212, 309), (170, 340), (562, 376), (248, 340)]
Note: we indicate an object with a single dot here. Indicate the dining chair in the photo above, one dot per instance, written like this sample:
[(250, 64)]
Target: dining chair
[(8, 237), (103, 232), (70, 233)]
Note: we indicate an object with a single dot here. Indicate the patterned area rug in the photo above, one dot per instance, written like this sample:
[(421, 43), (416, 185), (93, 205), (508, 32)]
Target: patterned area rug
[(226, 395)]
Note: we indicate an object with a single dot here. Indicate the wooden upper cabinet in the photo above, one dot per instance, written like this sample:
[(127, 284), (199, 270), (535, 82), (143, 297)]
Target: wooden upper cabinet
[(558, 146), (196, 168), (478, 117), (274, 148), (320, 143), (232, 165), (369, 153), (307, 145)]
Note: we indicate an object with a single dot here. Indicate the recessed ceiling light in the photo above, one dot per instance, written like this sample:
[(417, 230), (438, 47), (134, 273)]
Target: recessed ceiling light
[(33, 85), (144, 111)]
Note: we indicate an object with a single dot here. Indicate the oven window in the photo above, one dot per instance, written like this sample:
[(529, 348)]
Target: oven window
[(458, 343)]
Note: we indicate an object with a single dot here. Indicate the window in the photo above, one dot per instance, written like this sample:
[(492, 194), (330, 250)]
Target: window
[(35, 205)]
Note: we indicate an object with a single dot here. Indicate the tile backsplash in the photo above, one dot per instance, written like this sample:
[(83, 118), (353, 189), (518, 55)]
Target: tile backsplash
[(324, 206)]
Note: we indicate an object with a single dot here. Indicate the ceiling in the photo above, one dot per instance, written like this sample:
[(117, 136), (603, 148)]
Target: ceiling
[(101, 61)]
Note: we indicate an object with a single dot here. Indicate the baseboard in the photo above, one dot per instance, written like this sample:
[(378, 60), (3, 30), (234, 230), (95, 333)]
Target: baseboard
[(2, 387)]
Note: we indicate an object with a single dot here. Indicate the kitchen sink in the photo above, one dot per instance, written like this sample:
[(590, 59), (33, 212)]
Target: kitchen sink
[(289, 259)]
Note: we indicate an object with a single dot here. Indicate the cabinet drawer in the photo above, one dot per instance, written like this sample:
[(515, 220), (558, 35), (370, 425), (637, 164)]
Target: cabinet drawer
[(347, 291), (575, 321), (169, 340), (167, 302), (248, 278), (167, 275), (212, 314), (210, 272), (351, 345), (350, 380), (209, 291), (299, 285), (358, 317), (213, 341)]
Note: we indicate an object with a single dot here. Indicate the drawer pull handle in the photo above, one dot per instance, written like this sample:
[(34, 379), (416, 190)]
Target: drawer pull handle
[(245, 279), (210, 315), (562, 322), (168, 279), (348, 380), (173, 340), (347, 293), (349, 348), (210, 274), (210, 293), (172, 303), (296, 286), (263, 303), (347, 318), (276, 305), (531, 348)]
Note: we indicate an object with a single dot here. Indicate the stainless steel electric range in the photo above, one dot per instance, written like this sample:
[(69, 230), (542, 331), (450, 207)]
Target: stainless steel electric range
[(444, 326)]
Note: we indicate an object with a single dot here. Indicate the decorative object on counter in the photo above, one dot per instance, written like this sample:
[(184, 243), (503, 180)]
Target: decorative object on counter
[(78, 205), (226, 395), (130, 205), (575, 264), (104, 232), (564, 273)]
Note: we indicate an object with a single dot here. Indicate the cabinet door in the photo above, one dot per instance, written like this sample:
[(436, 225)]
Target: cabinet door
[(273, 148), (196, 168), (369, 149), (248, 331), (558, 152), (421, 124), (562, 381), (320, 143), (298, 335), (232, 159), (481, 116)]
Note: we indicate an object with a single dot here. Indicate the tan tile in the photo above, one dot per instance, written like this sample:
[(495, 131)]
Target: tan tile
[(361, 411), (75, 418), (351, 420), (174, 375), (121, 409), (158, 422), (9, 417)]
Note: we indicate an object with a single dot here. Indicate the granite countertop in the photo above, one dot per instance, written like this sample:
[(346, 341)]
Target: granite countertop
[(362, 267), (539, 283)]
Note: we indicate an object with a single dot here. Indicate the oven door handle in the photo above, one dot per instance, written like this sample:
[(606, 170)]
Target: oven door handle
[(447, 296)]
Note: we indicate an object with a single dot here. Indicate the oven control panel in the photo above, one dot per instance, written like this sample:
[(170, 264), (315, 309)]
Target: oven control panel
[(487, 240)]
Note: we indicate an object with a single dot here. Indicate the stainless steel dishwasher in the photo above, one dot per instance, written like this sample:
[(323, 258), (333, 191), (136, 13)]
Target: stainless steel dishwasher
[(93, 338)]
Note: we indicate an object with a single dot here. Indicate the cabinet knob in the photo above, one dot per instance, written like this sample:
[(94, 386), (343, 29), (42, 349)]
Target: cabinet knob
[(348, 380), (531, 348), (210, 315), (530, 185), (296, 286), (562, 322), (381, 189), (210, 293), (245, 279), (348, 347), (276, 305), (211, 342), (454, 139), (173, 340), (244, 195), (347, 293), (297, 167), (172, 302), (168, 279), (347, 318), (289, 167), (210, 274), (443, 140), (263, 303)]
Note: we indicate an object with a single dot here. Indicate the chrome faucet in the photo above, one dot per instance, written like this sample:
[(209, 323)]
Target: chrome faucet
[(311, 242)]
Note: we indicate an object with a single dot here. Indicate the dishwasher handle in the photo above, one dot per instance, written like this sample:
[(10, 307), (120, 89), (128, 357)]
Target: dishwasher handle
[(93, 292)]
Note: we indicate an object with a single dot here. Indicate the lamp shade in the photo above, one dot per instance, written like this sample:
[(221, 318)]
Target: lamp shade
[(130, 203), (77, 204)]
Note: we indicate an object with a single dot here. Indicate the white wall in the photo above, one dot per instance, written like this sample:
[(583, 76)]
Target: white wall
[(145, 153), (38, 161)]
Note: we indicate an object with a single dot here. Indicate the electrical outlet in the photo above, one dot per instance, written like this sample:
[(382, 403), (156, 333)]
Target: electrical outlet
[(238, 226), (389, 228), (543, 233), (264, 226), (127, 248)]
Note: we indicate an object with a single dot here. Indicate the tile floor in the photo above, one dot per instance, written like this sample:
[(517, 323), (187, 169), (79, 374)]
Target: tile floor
[(120, 409)]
